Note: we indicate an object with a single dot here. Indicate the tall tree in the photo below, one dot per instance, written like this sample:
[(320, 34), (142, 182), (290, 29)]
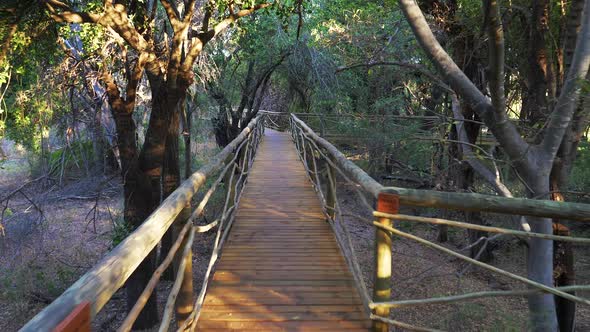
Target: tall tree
[(532, 161), (164, 49)]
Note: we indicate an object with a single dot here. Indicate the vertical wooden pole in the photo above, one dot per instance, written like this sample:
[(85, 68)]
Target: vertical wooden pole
[(243, 158), (230, 181), (331, 191), (309, 157), (184, 301), (388, 203)]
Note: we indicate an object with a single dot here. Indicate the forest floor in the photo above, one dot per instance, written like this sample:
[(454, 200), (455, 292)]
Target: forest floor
[(52, 235), (40, 259)]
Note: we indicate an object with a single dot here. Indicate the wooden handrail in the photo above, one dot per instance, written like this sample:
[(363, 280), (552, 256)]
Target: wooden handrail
[(351, 169), (99, 284), (451, 200)]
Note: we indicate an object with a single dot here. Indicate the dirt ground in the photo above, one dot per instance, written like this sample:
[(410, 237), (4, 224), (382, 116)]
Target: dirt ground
[(41, 260)]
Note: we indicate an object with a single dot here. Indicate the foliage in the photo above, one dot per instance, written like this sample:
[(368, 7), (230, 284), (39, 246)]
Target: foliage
[(121, 229), (580, 177)]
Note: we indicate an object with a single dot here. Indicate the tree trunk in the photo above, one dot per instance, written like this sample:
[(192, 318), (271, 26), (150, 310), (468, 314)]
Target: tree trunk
[(563, 253), (170, 181), (150, 162), (98, 141), (187, 128), (137, 195), (540, 254), (534, 104), (564, 275)]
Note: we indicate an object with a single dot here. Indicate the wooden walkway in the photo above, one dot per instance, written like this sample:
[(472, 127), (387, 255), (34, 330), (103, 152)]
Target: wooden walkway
[(281, 269)]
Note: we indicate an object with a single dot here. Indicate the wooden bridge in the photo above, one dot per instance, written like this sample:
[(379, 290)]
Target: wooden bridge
[(282, 266), (294, 279)]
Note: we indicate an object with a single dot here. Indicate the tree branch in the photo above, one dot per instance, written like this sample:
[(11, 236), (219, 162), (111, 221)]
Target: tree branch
[(171, 12), (504, 131), (204, 37), (470, 157)]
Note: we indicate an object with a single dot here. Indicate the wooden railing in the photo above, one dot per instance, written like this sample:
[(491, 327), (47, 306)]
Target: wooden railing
[(324, 163), (93, 290)]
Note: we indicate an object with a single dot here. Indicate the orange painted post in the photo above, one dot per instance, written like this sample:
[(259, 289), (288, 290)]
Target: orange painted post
[(388, 203), (77, 321)]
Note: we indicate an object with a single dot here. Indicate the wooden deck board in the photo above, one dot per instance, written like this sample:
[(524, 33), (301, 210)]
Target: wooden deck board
[(281, 269)]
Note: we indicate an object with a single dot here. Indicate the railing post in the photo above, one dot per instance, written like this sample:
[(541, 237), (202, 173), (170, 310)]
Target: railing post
[(330, 191), (243, 157), (230, 179), (184, 301), (388, 203)]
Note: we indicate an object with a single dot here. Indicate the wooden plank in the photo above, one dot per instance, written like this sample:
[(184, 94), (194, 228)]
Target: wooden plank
[(285, 289), (280, 265), (289, 316), (280, 309), (283, 283), (284, 326)]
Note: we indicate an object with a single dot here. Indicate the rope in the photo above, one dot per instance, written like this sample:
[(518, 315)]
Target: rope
[(472, 296), (440, 221), (484, 265)]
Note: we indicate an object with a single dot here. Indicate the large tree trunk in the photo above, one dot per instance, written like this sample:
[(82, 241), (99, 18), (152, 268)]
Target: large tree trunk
[(137, 196), (170, 181), (564, 272), (540, 252), (562, 166), (187, 117), (165, 99)]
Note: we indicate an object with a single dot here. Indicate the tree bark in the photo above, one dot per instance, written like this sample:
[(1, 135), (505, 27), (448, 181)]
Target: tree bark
[(170, 181), (534, 104), (136, 194), (187, 123)]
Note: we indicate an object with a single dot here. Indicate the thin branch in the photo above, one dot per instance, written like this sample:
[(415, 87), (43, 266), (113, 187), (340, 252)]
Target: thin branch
[(171, 12), (204, 37), (470, 157), (504, 130)]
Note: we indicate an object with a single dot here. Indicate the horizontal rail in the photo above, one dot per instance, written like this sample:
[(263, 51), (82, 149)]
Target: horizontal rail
[(490, 229), (471, 296), (99, 284), (451, 200)]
